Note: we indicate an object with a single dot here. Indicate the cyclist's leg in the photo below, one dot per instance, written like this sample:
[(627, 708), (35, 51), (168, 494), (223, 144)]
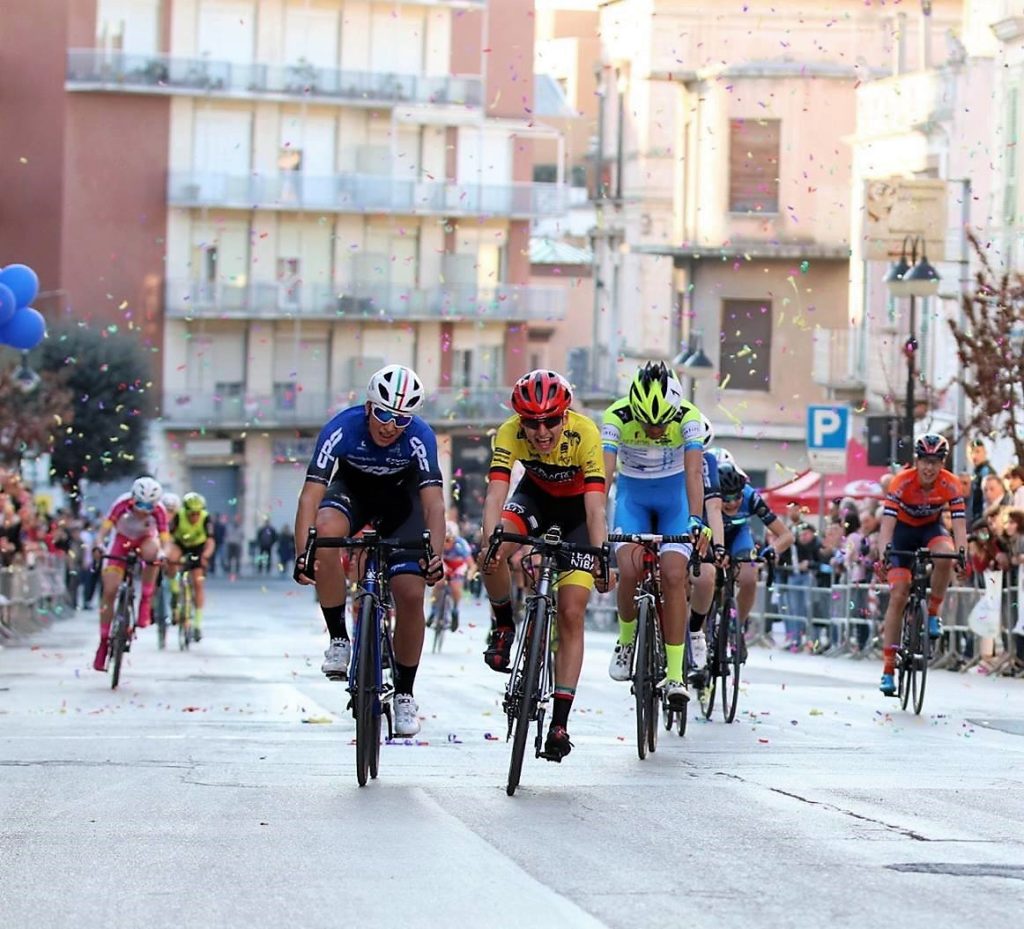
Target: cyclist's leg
[(173, 577), (113, 571), (455, 584), (672, 517), (149, 548), (573, 594), (337, 514), (938, 540), (632, 514), (906, 538)]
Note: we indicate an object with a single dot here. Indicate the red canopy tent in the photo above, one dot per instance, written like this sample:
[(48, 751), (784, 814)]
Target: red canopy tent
[(860, 481)]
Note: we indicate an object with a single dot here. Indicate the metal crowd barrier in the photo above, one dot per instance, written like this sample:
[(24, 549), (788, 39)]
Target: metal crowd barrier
[(846, 620), (32, 594)]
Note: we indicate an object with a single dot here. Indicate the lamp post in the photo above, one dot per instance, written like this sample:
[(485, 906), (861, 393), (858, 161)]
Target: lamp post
[(694, 364), (916, 278)]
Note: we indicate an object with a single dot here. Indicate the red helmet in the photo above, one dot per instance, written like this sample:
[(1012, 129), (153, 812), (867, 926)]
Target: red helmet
[(541, 393)]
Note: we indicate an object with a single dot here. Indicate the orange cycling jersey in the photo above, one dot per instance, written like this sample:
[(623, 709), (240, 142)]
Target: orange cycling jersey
[(574, 466), (915, 505)]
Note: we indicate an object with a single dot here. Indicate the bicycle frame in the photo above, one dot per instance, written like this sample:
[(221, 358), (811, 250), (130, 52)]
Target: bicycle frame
[(375, 591)]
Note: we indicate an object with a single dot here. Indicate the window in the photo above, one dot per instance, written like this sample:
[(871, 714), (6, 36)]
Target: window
[(754, 165), (545, 174), (285, 393), (746, 349)]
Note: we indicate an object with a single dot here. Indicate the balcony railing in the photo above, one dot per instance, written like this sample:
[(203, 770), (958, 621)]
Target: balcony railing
[(365, 193), (368, 301), (93, 69), (838, 359), (449, 406)]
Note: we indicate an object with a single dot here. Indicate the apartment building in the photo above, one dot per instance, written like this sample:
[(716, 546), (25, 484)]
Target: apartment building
[(726, 216), (326, 187)]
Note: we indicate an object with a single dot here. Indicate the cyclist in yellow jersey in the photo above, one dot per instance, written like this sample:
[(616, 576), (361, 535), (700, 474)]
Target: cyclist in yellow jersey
[(563, 484), (191, 535)]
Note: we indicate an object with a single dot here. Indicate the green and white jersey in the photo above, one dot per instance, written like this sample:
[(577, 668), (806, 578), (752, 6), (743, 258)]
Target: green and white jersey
[(640, 456)]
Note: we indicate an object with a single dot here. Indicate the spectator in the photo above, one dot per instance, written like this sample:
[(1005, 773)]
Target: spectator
[(982, 468), (233, 540), (803, 560), (994, 493), (1015, 481), (219, 525), (266, 536), (285, 549)]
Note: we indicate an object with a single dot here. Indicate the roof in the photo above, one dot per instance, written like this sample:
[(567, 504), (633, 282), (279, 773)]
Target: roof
[(549, 99), (553, 252), (762, 251)]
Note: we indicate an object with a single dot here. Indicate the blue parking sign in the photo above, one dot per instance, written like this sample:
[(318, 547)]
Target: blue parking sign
[(828, 428)]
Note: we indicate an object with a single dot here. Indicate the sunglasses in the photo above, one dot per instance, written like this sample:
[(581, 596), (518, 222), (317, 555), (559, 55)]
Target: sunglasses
[(146, 507), (548, 422), (386, 416), (731, 498)]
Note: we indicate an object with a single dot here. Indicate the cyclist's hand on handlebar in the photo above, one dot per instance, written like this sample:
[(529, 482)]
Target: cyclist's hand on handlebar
[(701, 534), (882, 570), (721, 555), (433, 570), (961, 562), (298, 572)]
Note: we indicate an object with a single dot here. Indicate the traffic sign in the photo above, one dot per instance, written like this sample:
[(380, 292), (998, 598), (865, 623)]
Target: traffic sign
[(828, 432)]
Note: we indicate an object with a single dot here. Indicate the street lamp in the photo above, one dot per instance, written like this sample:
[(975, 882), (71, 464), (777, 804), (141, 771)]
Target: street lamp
[(694, 364), (916, 278), (25, 379)]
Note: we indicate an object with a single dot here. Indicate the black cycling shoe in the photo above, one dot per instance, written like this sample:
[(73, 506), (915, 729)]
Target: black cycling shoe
[(499, 647), (557, 744), (455, 622)]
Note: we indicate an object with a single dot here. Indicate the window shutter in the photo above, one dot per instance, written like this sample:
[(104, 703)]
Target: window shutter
[(754, 165)]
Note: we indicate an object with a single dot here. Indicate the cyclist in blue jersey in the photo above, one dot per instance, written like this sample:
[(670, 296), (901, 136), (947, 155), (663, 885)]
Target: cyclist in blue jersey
[(377, 462), (702, 586), (740, 502)]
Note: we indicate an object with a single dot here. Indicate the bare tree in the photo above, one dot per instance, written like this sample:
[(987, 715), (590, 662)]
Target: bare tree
[(990, 347)]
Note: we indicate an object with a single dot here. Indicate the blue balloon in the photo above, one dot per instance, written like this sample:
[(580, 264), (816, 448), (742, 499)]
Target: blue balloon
[(23, 281), (8, 303), (24, 330)]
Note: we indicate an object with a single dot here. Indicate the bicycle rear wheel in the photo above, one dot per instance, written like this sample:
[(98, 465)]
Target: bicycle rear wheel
[(922, 654), (906, 664), (706, 694), (365, 691), (529, 680), (731, 660), (641, 682), (655, 672)]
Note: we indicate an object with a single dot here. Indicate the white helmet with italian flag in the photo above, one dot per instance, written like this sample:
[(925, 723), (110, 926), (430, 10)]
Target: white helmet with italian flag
[(396, 388)]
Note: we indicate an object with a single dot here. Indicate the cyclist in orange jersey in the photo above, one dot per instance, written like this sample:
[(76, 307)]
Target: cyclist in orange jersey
[(912, 519)]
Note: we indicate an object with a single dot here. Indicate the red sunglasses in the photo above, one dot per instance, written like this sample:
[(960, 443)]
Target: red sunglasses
[(548, 422)]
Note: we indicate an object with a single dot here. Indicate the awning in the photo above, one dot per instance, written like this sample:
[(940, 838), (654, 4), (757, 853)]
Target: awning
[(860, 481)]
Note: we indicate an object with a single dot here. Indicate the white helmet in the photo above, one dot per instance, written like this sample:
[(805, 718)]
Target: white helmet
[(396, 388), (451, 529), (709, 431), (172, 502), (723, 455), (146, 492)]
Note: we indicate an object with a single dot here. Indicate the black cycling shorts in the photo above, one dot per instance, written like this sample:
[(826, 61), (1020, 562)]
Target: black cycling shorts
[(532, 512)]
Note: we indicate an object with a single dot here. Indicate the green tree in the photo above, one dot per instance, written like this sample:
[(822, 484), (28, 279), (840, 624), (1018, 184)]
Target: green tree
[(109, 377), (990, 346), (31, 420)]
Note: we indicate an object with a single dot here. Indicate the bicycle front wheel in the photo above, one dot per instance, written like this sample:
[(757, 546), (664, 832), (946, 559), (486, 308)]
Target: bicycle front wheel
[(365, 694), (922, 655), (729, 657), (119, 638), (655, 672), (642, 688), (441, 620), (185, 608), (529, 682), (906, 663)]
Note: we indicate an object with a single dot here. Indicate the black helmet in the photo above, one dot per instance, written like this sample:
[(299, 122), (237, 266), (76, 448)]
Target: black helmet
[(730, 479)]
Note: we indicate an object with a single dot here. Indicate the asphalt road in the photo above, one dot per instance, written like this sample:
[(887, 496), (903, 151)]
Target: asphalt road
[(217, 788)]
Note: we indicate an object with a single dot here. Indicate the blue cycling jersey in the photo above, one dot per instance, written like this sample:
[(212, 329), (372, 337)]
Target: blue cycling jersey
[(345, 446), (751, 504)]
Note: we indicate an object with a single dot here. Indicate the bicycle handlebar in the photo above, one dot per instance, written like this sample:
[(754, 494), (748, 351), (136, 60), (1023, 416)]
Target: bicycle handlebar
[(551, 543), (925, 554), (369, 539), (651, 538)]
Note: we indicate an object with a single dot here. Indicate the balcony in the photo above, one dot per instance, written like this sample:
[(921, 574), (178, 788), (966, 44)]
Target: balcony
[(96, 70), (905, 102), (367, 301), (188, 409), (365, 193), (445, 407), (838, 360)]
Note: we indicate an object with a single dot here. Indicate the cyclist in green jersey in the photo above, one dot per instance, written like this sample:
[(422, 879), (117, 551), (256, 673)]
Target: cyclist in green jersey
[(654, 442), (191, 534)]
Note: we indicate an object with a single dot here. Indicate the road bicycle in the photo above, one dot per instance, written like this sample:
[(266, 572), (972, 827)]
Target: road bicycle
[(531, 676), (648, 671), (914, 650), (442, 611), (727, 648), (371, 675), (125, 619), (185, 602)]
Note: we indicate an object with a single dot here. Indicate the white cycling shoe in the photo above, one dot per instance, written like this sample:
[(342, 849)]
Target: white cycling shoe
[(698, 650), (676, 694), (621, 665), (407, 721), (336, 659)]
